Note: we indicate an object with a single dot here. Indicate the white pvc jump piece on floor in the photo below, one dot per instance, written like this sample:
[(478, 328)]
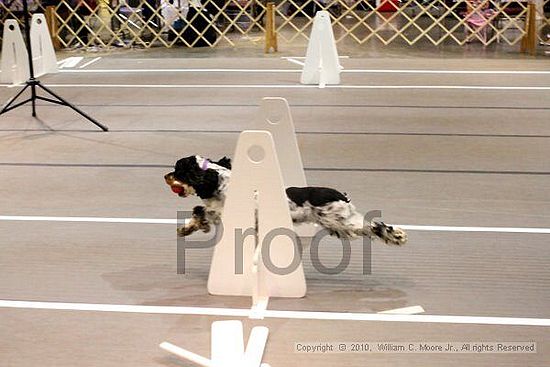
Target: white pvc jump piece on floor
[(15, 68), (256, 190), (276, 118), (321, 65), (185, 354), (256, 346), (227, 343), (411, 310), (43, 54), (227, 346)]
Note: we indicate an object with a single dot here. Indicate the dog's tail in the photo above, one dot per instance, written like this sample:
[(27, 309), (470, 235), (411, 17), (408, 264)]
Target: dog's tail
[(389, 234)]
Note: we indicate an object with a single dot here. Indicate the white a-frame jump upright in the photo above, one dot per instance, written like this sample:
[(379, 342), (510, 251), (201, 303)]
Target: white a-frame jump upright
[(43, 53), (322, 65), (275, 117), (258, 254), (15, 68)]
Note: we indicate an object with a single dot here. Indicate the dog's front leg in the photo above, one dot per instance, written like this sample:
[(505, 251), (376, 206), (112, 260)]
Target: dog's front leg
[(198, 222)]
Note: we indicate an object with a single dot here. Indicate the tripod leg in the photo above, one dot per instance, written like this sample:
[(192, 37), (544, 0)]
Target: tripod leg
[(33, 99), (6, 107), (65, 103)]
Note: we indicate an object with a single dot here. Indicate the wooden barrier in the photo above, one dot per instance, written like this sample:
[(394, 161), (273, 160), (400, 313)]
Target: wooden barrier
[(52, 26), (529, 40), (270, 32)]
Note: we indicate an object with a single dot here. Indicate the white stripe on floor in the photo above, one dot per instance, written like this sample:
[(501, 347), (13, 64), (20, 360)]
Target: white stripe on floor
[(87, 64), (475, 229), (69, 62), (86, 219), (365, 71), (174, 221), (217, 70), (292, 86), (301, 315)]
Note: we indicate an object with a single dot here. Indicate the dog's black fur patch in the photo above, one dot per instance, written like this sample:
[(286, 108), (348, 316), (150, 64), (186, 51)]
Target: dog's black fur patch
[(317, 196)]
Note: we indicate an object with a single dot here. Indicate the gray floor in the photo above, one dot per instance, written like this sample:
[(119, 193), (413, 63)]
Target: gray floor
[(423, 156)]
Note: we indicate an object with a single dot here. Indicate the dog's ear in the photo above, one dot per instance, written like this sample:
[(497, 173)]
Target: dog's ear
[(187, 170), (224, 162)]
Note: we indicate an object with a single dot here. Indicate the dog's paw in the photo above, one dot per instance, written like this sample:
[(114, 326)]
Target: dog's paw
[(205, 227), (398, 236), (389, 234), (185, 231)]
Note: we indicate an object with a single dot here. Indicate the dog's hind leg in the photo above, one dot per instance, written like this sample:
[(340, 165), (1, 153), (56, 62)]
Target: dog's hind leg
[(340, 219), (198, 222), (343, 220)]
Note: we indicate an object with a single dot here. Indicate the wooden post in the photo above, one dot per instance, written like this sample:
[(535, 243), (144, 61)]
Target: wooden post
[(529, 40), (51, 19), (270, 33)]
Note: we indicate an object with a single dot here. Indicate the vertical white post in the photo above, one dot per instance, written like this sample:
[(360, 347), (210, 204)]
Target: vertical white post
[(15, 68)]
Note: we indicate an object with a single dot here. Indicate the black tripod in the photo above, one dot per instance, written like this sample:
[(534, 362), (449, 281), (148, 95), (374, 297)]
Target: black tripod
[(32, 83)]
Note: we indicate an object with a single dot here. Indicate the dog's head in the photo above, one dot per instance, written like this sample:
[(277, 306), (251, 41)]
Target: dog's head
[(195, 175)]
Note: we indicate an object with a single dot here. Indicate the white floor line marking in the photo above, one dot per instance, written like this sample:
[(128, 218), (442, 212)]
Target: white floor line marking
[(303, 57), (122, 71), (62, 61), (89, 63), (475, 229), (86, 219), (405, 310), (421, 71), (292, 86), (294, 60), (300, 315), (257, 311), (69, 62), (174, 221)]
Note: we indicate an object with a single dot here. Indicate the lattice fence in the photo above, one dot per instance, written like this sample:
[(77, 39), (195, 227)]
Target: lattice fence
[(214, 23)]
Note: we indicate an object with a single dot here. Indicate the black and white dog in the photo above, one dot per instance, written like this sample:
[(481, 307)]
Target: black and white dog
[(196, 175)]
